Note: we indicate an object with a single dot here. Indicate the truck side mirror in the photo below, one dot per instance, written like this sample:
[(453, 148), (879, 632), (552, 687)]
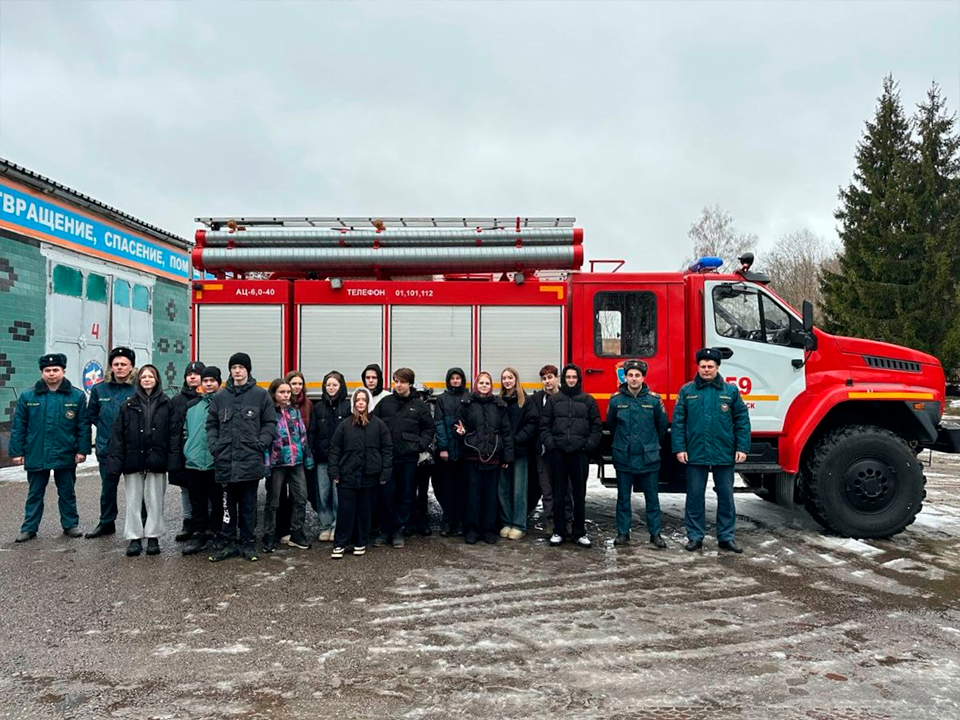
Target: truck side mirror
[(807, 316)]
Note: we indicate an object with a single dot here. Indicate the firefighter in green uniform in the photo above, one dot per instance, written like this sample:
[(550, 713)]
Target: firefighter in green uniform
[(50, 432), (711, 432)]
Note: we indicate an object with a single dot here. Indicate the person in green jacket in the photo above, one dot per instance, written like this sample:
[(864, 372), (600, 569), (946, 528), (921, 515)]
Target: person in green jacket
[(206, 495), (638, 422), (711, 432), (50, 432)]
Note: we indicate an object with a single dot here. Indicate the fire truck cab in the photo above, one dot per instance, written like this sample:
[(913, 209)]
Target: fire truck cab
[(838, 424)]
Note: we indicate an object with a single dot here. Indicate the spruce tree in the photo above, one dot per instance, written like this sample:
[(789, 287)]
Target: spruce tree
[(874, 294)]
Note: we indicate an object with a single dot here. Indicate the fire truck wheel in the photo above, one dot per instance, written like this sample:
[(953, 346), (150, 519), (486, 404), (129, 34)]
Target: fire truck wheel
[(864, 482)]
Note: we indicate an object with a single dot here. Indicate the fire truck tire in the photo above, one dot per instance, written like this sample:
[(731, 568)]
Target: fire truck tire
[(760, 480), (864, 481)]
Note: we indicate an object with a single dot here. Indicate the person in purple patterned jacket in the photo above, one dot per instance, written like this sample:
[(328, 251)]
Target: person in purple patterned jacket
[(287, 460)]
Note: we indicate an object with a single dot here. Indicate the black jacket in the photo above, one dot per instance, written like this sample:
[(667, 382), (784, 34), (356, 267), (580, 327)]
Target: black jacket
[(139, 446), (241, 424), (526, 424), (489, 437), (361, 456), (410, 423), (570, 421), (328, 413), (179, 404), (445, 413)]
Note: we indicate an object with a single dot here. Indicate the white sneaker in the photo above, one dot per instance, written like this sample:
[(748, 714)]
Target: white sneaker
[(505, 531), (583, 541), (556, 540), (515, 534), (285, 539)]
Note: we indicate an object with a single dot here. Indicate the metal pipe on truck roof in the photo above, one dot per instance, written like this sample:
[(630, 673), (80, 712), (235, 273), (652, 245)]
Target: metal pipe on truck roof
[(390, 237), (390, 260)]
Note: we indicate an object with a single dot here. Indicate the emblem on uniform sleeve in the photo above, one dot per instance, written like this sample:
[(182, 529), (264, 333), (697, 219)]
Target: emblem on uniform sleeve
[(724, 407), (71, 414)]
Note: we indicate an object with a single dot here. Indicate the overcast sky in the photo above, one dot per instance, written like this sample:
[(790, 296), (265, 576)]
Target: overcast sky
[(630, 115)]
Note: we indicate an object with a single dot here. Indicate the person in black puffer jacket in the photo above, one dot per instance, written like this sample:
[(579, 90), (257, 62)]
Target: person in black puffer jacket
[(241, 424), (144, 445), (328, 412), (412, 431), (187, 395), (360, 461), (484, 424), (570, 429), (448, 481), (512, 488)]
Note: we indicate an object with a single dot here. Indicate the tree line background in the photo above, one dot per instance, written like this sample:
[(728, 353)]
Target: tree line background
[(895, 274)]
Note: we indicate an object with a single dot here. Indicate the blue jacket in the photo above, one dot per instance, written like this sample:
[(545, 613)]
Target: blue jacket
[(638, 424), (50, 428), (710, 422), (103, 407)]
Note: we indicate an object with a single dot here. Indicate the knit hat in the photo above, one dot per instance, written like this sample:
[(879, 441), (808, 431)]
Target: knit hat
[(708, 354), (52, 360), (195, 367), (240, 359), (211, 371), (122, 352)]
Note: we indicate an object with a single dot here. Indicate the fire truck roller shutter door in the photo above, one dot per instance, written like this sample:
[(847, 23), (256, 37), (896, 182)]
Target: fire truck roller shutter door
[(526, 338), (254, 329), (339, 337), (430, 339)]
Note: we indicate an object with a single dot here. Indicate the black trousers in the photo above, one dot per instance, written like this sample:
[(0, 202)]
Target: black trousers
[(404, 479), (569, 470), (242, 506), (354, 508), (450, 487), (206, 500), (382, 508), (421, 500), (480, 513), (285, 509)]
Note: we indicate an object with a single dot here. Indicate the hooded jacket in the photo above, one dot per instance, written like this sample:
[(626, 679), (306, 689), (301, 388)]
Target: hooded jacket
[(328, 413), (290, 445), (179, 404), (638, 424), (710, 422), (361, 455), (196, 449), (570, 421), (525, 422), (445, 413), (103, 407), (489, 436), (411, 425), (50, 428), (378, 393), (241, 423), (143, 438)]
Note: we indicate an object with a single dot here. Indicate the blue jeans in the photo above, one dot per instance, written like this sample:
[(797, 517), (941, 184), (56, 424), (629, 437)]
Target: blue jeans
[(649, 482), (512, 493), (326, 498), (37, 480), (694, 516)]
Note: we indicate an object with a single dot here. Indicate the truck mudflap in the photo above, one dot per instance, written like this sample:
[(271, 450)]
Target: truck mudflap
[(948, 439)]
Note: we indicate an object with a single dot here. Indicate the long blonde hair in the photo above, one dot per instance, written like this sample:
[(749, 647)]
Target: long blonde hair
[(518, 387), (360, 418)]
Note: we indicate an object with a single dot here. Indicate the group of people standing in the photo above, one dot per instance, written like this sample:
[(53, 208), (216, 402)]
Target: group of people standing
[(364, 460)]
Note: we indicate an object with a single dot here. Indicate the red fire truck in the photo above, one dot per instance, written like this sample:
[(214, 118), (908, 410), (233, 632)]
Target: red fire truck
[(838, 423)]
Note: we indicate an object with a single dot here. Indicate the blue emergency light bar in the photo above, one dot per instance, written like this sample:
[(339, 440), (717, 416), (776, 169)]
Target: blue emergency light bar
[(706, 263)]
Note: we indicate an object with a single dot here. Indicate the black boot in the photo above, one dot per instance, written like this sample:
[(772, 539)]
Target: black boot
[(153, 546), (186, 531), (134, 548), (195, 544), (693, 545), (622, 539), (101, 530), (658, 541), (730, 545)]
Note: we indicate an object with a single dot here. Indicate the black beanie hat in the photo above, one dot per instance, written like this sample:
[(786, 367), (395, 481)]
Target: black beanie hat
[(53, 359), (708, 354), (122, 352), (193, 367), (211, 371), (240, 359)]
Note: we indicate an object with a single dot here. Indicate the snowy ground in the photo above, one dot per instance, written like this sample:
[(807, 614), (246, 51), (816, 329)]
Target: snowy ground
[(803, 625)]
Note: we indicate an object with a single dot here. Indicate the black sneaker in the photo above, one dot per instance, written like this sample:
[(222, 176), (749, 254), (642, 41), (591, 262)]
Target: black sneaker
[(380, 540), (101, 530), (194, 545), (398, 540), (223, 552), (490, 539), (153, 546), (471, 538), (337, 553), (360, 550), (249, 552), (622, 539), (658, 542), (269, 543), (298, 540), (134, 548), (186, 532)]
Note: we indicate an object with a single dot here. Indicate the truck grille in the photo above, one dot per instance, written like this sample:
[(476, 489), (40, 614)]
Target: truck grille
[(891, 364)]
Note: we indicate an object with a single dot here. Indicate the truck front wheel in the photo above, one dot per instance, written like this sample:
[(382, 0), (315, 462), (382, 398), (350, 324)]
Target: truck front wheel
[(864, 481)]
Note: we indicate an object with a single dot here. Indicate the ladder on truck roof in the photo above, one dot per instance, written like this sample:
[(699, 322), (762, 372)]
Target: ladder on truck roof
[(350, 223)]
